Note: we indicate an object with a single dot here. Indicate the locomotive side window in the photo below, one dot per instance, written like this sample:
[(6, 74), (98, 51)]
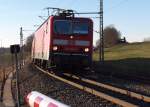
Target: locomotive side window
[(62, 27), (80, 28)]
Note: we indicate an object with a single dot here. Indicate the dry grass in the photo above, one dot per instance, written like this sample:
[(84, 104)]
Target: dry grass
[(126, 51), (2, 75), (4, 72), (128, 58)]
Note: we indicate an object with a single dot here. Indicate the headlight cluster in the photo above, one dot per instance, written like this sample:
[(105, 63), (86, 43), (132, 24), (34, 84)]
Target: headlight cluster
[(55, 48), (86, 49)]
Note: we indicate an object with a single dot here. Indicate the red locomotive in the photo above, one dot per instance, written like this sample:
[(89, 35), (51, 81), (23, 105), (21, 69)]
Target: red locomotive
[(64, 41)]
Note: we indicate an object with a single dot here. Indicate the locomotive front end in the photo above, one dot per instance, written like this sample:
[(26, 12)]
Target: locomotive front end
[(72, 42)]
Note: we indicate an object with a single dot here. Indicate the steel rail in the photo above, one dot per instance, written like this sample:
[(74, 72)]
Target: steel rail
[(90, 90), (109, 87)]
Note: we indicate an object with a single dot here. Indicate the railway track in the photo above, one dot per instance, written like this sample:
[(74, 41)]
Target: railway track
[(128, 84), (115, 95), (119, 90)]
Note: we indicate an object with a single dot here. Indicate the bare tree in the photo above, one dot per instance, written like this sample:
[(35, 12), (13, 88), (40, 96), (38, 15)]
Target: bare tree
[(111, 36), (28, 44)]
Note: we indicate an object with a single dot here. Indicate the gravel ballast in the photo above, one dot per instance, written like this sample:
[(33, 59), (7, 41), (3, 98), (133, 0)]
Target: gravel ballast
[(34, 80)]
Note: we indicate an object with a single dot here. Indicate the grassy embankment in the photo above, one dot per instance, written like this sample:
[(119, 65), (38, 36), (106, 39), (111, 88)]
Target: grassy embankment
[(127, 58)]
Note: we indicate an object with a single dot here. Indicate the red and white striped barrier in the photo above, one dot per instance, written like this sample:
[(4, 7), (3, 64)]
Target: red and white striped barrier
[(36, 99)]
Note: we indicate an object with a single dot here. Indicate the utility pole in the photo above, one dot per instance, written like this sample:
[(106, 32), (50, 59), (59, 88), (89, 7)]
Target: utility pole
[(17, 81), (15, 49), (21, 46), (101, 50)]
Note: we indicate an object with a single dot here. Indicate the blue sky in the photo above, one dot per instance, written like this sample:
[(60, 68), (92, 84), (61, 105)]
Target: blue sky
[(131, 17)]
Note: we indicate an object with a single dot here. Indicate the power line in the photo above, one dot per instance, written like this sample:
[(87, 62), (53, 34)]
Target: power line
[(42, 17), (88, 13)]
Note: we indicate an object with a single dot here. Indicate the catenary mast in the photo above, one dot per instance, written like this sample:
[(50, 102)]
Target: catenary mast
[(101, 50)]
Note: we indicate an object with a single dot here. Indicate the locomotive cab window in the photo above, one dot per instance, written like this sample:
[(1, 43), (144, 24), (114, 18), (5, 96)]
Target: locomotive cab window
[(80, 28), (67, 27), (62, 27)]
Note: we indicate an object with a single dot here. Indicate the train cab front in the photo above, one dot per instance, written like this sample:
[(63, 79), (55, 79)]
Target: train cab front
[(72, 42)]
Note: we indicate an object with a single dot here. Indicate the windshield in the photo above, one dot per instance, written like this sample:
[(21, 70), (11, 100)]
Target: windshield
[(68, 27), (80, 28), (62, 27)]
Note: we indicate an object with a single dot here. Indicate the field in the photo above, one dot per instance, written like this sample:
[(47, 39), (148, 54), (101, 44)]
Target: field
[(127, 58), (5, 59)]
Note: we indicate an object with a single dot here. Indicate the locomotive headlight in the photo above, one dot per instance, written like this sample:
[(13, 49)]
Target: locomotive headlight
[(86, 49), (55, 48)]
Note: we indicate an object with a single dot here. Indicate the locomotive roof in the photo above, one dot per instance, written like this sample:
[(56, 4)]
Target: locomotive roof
[(60, 17)]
